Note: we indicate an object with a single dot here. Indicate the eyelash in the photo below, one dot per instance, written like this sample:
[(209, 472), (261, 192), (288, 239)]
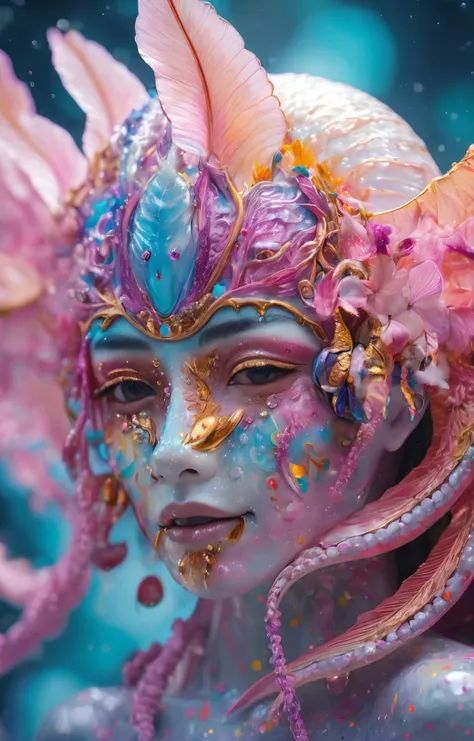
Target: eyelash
[(249, 365), (113, 384)]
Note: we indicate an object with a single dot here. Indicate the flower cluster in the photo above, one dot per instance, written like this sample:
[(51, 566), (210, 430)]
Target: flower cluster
[(419, 291)]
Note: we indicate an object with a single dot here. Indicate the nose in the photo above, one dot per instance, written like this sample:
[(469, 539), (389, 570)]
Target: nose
[(181, 465), (172, 462)]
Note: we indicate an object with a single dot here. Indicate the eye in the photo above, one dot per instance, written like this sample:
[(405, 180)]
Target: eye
[(127, 392), (260, 375)]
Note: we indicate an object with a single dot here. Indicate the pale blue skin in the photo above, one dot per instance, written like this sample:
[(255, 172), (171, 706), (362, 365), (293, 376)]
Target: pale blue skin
[(366, 709)]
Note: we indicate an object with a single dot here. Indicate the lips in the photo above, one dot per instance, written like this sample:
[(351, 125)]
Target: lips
[(174, 513), (198, 524)]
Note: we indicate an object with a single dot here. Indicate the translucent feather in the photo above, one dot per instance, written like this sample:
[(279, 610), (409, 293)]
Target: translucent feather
[(43, 150), (214, 91), (104, 88)]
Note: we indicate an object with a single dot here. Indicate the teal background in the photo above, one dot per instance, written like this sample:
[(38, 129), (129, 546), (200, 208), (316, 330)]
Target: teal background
[(416, 55)]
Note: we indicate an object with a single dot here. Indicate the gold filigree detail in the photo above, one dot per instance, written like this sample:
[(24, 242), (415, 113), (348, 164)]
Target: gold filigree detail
[(191, 320), (196, 566), (144, 422), (376, 358), (342, 346), (209, 430), (463, 442), (239, 220)]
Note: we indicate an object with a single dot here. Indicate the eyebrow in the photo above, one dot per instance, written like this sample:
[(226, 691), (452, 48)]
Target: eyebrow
[(229, 329), (121, 343)]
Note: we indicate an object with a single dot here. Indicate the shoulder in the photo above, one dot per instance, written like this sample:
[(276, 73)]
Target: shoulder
[(430, 696), (91, 715)]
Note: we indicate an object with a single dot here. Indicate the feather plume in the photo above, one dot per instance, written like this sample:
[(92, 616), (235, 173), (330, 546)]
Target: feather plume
[(448, 200), (43, 150), (215, 92), (104, 88)]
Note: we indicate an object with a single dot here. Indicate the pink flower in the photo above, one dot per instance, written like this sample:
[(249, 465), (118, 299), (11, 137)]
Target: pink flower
[(349, 293), (407, 302)]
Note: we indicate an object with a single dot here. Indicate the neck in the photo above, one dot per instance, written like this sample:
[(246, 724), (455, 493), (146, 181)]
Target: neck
[(315, 610)]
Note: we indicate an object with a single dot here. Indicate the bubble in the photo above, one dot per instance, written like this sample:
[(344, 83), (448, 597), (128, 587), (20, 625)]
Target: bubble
[(244, 438), (463, 5), (63, 24), (235, 473), (441, 148), (418, 87)]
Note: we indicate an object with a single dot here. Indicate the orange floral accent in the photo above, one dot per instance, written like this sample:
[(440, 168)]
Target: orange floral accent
[(261, 173), (302, 155)]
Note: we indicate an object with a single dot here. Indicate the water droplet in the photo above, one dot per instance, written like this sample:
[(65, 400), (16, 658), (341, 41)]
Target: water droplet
[(418, 87), (244, 438), (167, 390), (155, 363), (272, 402), (235, 473)]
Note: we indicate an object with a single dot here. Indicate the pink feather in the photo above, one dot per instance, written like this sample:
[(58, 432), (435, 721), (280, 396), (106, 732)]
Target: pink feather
[(43, 150), (215, 92), (104, 88)]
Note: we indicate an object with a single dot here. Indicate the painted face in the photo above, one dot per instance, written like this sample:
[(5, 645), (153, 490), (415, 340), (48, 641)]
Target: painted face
[(225, 445)]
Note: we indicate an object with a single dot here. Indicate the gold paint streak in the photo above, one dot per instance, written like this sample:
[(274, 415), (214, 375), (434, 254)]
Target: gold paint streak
[(196, 566), (260, 363), (237, 532), (116, 380)]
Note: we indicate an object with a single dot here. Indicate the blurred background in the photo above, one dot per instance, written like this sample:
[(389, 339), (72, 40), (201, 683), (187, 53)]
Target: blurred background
[(415, 55)]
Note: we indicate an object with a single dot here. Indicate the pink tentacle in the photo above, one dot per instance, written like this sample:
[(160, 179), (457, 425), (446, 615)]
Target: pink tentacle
[(134, 669), (44, 615), (155, 680)]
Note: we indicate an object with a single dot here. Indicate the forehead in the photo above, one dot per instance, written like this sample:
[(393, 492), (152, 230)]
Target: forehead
[(225, 327)]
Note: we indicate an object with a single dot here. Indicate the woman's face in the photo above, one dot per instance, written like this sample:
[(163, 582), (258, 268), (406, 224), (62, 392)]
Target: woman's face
[(235, 506)]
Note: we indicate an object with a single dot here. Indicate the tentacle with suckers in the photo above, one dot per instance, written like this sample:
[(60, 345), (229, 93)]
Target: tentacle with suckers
[(419, 603), (441, 480)]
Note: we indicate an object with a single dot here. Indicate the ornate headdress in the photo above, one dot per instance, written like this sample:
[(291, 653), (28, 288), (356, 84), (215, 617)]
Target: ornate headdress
[(229, 189)]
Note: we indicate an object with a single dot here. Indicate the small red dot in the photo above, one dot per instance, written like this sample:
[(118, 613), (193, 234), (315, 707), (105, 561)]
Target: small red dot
[(411, 709), (150, 591), (447, 596), (272, 483)]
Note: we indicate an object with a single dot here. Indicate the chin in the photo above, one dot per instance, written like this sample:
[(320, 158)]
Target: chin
[(219, 573)]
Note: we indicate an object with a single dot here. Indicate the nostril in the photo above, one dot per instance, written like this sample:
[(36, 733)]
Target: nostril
[(189, 472)]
